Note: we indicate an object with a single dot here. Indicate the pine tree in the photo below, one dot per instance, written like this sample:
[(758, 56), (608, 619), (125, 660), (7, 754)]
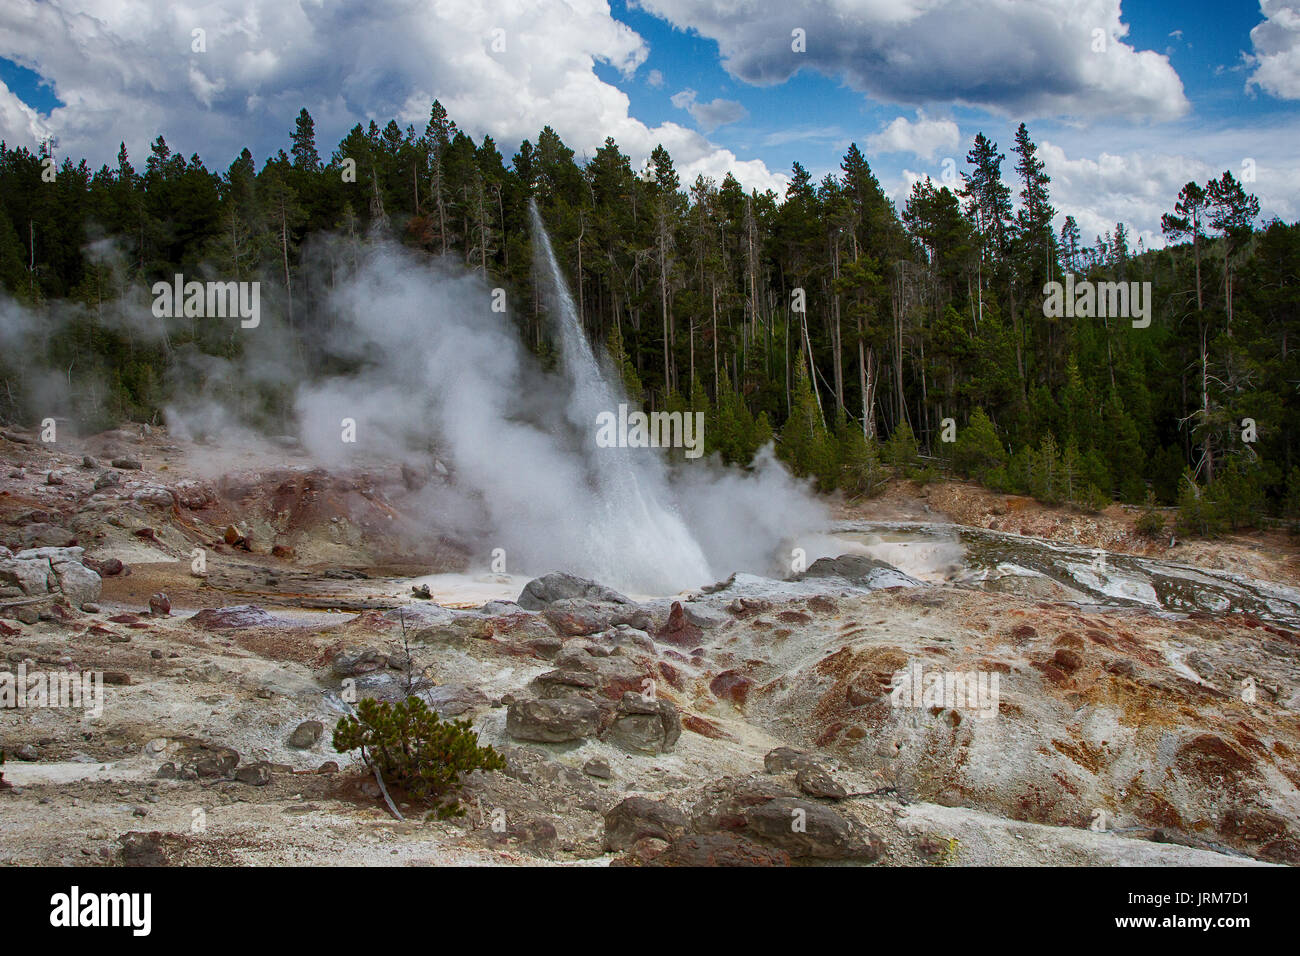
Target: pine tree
[(304, 152)]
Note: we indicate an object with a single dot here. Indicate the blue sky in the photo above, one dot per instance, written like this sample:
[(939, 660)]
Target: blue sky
[(1180, 90)]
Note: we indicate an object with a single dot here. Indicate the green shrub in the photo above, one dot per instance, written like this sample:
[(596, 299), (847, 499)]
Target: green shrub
[(1091, 499), (862, 472), (902, 452), (1197, 514), (977, 452), (415, 750), (1150, 524)]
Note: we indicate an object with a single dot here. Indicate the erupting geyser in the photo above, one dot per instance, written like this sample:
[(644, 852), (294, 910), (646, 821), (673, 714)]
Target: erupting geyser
[(632, 533)]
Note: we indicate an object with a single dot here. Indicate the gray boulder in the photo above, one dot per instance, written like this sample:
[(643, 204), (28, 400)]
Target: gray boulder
[(53, 555), (306, 734), (816, 782), (552, 721), (645, 725), (860, 570), (352, 661), (786, 759), (558, 586), (637, 818), (79, 584), (461, 629), (31, 576), (806, 829)]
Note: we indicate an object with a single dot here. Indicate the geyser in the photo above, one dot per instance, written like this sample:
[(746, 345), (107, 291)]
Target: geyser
[(434, 372), (634, 533)]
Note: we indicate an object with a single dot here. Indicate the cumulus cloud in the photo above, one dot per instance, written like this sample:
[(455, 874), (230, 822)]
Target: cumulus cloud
[(709, 116), (655, 78), (19, 123), (1276, 42), (128, 70), (1050, 57), (1099, 187), (923, 138)]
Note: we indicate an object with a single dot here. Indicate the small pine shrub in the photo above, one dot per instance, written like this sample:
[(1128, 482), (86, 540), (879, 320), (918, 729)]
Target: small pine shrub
[(1151, 523), (1091, 499), (1197, 513), (415, 750)]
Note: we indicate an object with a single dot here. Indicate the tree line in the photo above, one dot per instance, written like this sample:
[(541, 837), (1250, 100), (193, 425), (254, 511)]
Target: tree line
[(865, 339)]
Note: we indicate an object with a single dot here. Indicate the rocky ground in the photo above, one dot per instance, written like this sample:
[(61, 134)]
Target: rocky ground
[(750, 723)]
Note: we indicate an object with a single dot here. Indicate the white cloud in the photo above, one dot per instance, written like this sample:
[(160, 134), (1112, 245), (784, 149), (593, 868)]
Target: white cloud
[(19, 123), (1276, 43), (709, 116), (125, 71), (1100, 188), (1032, 59), (923, 138), (655, 78)]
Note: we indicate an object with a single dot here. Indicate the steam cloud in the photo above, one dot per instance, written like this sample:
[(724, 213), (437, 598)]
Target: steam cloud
[(433, 375)]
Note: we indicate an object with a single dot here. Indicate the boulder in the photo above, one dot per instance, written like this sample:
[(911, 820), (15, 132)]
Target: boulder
[(806, 829), (53, 555), (42, 535), (452, 700), (860, 570), (207, 759), (680, 630), (31, 576), (306, 734), (733, 686), (552, 721), (558, 586), (786, 759), (816, 782), (611, 674), (234, 617), (254, 774), (108, 567), (459, 630), (78, 583), (155, 495), (645, 725), (565, 683), (354, 661), (704, 616), (580, 617), (637, 818)]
